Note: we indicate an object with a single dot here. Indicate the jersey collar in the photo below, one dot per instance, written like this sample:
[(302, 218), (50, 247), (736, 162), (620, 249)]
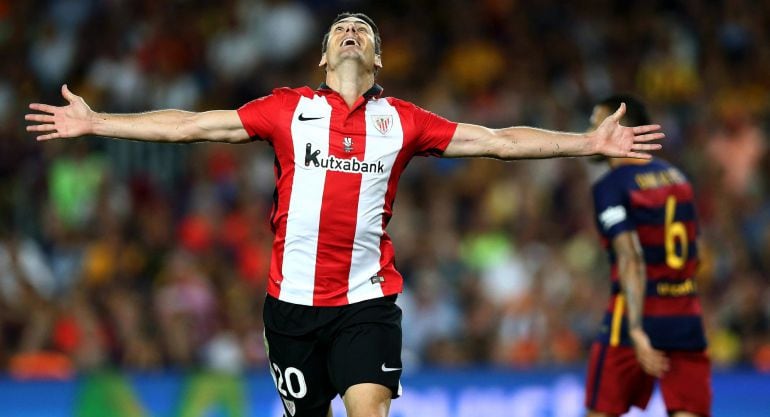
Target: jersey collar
[(374, 92)]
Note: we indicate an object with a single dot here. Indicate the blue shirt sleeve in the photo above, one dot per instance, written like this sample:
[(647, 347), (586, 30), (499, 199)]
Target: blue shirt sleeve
[(612, 208)]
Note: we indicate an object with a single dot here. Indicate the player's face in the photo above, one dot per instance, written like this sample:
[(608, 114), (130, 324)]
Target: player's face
[(599, 114), (351, 38)]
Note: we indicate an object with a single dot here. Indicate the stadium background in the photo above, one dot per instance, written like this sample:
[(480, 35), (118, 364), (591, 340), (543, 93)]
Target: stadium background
[(126, 266)]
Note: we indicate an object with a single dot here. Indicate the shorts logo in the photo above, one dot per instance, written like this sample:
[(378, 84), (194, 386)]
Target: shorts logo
[(347, 144), (386, 369), (383, 123), (290, 406)]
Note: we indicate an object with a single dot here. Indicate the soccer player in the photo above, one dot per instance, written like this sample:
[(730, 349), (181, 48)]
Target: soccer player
[(331, 323), (652, 328)]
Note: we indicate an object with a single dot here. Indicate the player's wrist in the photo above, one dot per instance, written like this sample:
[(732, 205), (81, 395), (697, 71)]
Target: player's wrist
[(96, 123), (637, 336), (590, 144)]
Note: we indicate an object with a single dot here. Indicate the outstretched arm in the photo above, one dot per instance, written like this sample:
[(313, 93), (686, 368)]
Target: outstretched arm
[(77, 119), (609, 139), (633, 282)]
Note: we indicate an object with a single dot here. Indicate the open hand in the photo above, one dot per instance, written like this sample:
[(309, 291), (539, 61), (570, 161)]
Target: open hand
[(614, 140), (55, 122)]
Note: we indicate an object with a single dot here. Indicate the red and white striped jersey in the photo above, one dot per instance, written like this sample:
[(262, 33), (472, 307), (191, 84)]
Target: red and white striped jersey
[(336, 173)]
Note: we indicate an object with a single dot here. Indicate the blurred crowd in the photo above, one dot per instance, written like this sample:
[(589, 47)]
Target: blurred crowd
[(149, 256)]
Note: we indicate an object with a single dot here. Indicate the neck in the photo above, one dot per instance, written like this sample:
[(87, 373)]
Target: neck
[(350, 80), (616, 162)]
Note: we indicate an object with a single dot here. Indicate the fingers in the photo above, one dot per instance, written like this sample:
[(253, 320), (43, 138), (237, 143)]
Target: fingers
[(45, 108), (656, 363), (638, 155), (49, 136), (41, 128), (649, 137), (67, 94), (45, 120), (638, 130), (657, 372), (660, 367), (38, 117), (664, 362), (619, 113), (639, 150), (646, 146)]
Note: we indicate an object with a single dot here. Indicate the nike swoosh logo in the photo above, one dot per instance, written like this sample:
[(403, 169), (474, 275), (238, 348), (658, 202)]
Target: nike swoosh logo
[(302, 118), (386, 369)]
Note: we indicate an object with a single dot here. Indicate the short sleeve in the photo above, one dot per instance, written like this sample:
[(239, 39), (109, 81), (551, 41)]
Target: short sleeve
[(258, 116), (433, 132), (611, 207)]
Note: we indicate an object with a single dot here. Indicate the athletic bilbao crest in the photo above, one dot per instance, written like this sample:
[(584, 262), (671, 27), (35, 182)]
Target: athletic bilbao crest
[(383, 123), (347, 145)]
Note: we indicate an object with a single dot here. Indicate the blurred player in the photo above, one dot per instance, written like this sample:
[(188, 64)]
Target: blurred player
[(331, 323), (645, 212)]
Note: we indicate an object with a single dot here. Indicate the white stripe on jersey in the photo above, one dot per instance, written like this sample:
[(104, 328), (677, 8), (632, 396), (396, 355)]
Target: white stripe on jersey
[(365, 262), (300, 248)]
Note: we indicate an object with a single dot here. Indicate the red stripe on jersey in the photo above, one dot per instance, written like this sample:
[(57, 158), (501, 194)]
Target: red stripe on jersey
[(284, 177), (672, 306), (663, 271), (392, 280), (665, 306), (656, 197), (656, 235), (339, 210), (393, 283)]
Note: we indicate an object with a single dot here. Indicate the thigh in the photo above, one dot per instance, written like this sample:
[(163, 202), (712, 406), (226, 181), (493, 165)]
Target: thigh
[(687, 384), (298, 367), (367, 400), (615, 381), (368, 350)]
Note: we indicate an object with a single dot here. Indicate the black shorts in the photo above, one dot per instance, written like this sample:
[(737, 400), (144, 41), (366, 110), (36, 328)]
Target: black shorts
[(316, 353)]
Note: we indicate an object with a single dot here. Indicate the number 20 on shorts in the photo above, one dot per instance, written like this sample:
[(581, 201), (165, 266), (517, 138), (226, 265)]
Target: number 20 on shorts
[(290, 382)]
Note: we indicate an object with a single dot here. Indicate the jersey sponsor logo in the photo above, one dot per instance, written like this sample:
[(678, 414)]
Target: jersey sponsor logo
[(332, 163), (302, 117), (347, 144), (382, 123), (611, 216), (667, 289), (311, 155), (386, 369)]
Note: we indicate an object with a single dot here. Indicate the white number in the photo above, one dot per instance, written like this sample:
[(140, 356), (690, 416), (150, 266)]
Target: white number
[(301, 390), (296, 392)]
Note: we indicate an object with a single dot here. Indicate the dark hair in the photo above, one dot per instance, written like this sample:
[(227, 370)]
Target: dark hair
[(365, 18), (636, 112)]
